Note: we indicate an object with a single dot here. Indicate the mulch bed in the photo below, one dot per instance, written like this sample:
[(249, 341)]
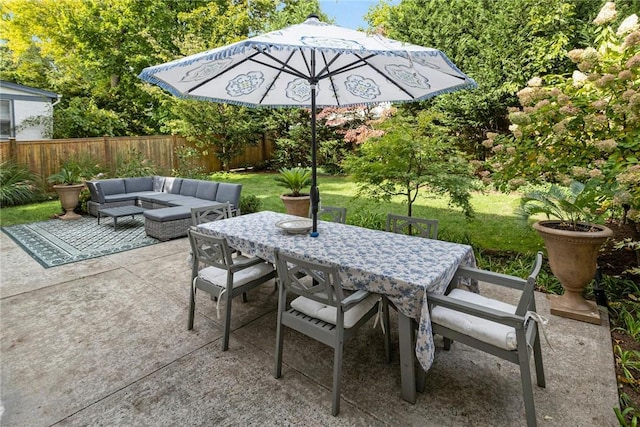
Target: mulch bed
[(614, 262)]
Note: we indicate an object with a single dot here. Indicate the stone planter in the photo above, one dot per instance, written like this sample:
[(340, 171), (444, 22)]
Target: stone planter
[(69, 196), (573, 259), (296, 205)]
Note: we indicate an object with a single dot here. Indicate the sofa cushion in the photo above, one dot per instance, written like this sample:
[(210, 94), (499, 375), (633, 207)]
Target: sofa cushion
[(93, 190), (172, 185), (138, 184), (189, 187), (121, 197), (107, 187), (162, 198), (207, 190), (168, 214), (229, 193), (158, 183), (193, 202), (140, 194)]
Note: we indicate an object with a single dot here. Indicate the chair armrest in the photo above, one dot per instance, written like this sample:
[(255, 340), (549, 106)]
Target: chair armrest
[(354, 299), (490, 277), (476, 310), (241, 265)]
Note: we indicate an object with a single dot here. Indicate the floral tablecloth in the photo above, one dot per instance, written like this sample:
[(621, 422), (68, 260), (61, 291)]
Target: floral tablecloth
[(398, 266)]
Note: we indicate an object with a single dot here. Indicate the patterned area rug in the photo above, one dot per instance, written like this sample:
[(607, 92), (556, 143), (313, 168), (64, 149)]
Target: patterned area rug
[(57, 242)]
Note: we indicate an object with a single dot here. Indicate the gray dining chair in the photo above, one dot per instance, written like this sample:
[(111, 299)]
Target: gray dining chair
[(510, 332), (413, 226), (203, 214), (218, 273), (323, 310), (331, 213)]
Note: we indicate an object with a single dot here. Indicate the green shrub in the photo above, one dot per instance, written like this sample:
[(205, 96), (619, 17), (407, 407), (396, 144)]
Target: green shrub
[(85, 196), (134, 164), (295, 179), (188, 163), (250, 204), (18, 186), (368, 219)]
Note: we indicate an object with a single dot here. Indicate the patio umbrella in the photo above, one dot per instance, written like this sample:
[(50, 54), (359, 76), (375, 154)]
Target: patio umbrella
[(311, 65)]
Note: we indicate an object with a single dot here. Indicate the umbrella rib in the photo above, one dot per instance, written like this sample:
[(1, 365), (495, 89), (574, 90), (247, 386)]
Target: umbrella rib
[(330, 76), (198, 86), (286, 68), (273, 81), (361, 62), (374, 68)]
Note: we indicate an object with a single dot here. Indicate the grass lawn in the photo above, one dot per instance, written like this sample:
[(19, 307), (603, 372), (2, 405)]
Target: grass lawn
[(494, 228), (501, 241)]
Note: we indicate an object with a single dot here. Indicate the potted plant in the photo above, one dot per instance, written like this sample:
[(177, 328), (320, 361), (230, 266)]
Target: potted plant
[(572, 242), (295, 179), (68, 183)]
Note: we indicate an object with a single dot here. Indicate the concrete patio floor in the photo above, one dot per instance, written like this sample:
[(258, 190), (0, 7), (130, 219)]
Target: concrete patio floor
[(104, 342)]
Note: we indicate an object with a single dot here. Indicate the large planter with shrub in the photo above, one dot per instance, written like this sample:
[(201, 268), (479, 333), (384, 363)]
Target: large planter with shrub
[(573, 256), (572, 241), (69, 195), (295, 179), (296, 205), (68, 184)]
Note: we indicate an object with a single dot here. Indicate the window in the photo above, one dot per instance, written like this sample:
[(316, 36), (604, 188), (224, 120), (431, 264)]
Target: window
[(6, 124)]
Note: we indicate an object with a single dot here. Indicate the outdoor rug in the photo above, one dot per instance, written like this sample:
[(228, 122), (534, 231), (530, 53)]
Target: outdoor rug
[(57, 242)]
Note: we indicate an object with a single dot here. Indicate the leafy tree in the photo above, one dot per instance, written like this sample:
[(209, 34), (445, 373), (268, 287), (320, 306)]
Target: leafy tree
[(413, 154), (82, 118), (220, 129), (499, 43), (94, 49), (583, 126)]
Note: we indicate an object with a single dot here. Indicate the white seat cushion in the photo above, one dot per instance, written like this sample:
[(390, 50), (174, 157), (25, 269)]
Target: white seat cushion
[(484, 330), (218, 276), (328, 313)]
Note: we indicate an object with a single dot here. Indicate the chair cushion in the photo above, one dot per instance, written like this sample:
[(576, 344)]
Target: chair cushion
[(484, 330), (218, 276), (328, 313)]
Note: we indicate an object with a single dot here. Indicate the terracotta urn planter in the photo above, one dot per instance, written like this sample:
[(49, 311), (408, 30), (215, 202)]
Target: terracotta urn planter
[(296, 205), (573, 260), (69, 196)]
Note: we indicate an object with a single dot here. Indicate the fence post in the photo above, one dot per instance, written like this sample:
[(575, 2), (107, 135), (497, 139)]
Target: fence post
[(107, 154), (174, 156), (13, 149)]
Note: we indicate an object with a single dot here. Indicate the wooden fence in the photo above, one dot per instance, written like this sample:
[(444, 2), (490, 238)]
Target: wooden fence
[(44, 157)]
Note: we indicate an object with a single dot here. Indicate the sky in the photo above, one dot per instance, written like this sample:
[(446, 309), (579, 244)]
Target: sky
[(349, 13)]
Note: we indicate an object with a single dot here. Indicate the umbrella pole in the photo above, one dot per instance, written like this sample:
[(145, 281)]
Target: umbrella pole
[(314, 188)]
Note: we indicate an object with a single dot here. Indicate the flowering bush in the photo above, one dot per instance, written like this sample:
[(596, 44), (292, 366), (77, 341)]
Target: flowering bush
[(580, 127)]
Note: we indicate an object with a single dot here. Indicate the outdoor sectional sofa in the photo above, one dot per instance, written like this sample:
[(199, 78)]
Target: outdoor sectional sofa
[(168, 200)]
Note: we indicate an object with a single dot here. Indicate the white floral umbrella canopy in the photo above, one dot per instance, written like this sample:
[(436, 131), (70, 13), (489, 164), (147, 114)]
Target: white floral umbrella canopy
[(312, 64)]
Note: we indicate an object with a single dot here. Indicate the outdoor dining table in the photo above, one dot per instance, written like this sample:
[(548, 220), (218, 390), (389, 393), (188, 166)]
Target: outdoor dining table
[(401, 267)]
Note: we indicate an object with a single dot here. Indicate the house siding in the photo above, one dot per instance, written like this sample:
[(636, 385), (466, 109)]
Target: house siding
[(28, 103)]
